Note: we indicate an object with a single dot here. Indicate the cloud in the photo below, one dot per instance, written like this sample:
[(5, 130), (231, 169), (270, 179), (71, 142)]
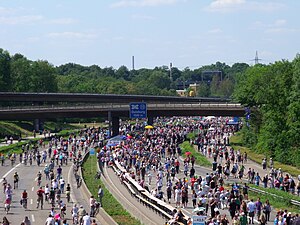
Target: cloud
[(243, 5), (142, 17), (215, 31), (143, 3), (72, 35), (281, 30), (16, 20), (278, 26), (62, 21)]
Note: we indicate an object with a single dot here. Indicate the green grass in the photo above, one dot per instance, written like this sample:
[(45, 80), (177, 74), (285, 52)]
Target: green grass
[(8, 128), (15, 148), (285, 195), (201, 160), (276, 203), (110, 204), (236, 143)]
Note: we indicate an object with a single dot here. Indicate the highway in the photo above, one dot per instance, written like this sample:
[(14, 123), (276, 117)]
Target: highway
[(27, 176)]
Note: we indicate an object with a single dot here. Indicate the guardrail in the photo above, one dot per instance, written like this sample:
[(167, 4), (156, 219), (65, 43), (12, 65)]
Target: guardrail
[(122, 106), (143, 196), (293, 202)]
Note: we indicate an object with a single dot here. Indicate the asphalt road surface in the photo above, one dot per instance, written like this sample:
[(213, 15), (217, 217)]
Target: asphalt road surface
[(28, 182)]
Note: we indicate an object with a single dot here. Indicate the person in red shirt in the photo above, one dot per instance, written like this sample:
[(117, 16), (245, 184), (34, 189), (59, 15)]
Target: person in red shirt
[(40, 197)]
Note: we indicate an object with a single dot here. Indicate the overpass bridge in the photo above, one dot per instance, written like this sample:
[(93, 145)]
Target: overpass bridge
[(42, 106), (114, 111)]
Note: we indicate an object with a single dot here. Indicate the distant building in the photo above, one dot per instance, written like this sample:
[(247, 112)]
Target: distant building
[(194, 87), (181, 93)]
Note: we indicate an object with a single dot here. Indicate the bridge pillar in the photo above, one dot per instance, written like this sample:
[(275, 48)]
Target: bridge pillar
[(114, 125), (150, 120), (38, 125)]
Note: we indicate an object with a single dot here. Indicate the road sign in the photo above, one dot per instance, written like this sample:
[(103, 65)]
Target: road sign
[(138, 110), (92, 151), (199, 220)]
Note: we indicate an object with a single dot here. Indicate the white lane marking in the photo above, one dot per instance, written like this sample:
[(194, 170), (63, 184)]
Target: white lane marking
[(31, 201), (5, 175), (32, 188), (32, 218), (69, 181)]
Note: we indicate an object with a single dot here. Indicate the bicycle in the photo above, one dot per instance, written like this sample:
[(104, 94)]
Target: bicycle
[(24, 203)]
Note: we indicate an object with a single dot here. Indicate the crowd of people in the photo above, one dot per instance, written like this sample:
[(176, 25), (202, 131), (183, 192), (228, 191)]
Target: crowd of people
[(53, 192), (154, 158)]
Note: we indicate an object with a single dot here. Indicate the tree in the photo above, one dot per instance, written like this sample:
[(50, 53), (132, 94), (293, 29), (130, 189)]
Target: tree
[(226, 88), (5, 74), (203, 90), (21, 73), (214, 85), (43, 77), (159, 79), (123, 72)]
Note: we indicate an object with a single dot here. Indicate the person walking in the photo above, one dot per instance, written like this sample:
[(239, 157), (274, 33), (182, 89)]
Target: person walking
[(5, 221), (251, 209), (258, 207), (40, 198), (267, 210), (100, 194), (26, 221)]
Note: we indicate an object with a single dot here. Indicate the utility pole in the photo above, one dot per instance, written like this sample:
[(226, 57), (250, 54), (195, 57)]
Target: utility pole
[(133, 62), (171, 78), (256, 59)]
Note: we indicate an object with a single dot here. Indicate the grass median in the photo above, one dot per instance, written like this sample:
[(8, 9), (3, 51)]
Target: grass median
[(201, 160), (110, 204)]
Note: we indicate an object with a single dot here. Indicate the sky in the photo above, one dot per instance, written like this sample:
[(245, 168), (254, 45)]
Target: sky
[(188, 33)]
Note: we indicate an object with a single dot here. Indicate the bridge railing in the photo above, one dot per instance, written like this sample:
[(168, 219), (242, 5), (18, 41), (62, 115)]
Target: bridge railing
[(121, 106)]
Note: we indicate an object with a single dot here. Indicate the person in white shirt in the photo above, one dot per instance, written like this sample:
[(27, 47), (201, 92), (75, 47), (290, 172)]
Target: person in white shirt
[(49, 220), (86, 219), (251, 209)]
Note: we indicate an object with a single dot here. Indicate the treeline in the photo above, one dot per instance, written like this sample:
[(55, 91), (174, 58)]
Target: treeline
[(273, 91), (19, 74)]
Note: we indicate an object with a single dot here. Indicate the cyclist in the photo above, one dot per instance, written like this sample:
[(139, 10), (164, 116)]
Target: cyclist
[(24, 199), (39, 178), (40, 197), (16, 180)]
